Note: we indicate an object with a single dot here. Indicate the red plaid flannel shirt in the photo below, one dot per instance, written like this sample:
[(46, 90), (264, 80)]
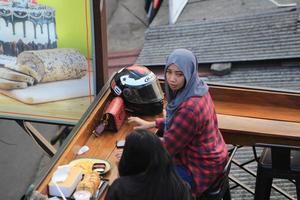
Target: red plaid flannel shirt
[(194, 141)]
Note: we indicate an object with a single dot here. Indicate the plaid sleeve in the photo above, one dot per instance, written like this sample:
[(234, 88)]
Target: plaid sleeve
[(181, 131)]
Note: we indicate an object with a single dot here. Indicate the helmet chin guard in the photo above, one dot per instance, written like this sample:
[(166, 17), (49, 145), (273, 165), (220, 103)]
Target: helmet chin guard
[(139, 88)]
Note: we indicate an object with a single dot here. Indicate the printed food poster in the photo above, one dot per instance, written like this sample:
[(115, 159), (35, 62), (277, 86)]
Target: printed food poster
[(45, 51)]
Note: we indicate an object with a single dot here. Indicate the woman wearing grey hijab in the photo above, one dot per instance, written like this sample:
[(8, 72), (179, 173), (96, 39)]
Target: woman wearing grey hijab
[(191, 133)]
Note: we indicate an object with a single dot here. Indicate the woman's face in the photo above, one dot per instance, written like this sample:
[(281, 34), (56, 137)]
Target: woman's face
[(175, 78)]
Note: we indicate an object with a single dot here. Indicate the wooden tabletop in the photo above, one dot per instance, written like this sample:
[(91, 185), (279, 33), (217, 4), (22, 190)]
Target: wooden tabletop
[(103, 147)]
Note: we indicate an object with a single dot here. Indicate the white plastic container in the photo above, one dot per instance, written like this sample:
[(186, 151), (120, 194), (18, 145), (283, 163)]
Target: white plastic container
[(82, 195)]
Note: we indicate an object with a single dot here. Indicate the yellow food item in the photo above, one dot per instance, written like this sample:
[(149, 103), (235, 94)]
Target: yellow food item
[(85, 165)]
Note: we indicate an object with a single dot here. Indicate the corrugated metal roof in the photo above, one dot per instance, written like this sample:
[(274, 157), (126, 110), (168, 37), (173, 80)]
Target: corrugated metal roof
[(272, 35)]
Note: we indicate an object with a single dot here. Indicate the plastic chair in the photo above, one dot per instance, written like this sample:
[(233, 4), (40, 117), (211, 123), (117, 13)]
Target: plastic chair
[(220, 188), (276, 161)]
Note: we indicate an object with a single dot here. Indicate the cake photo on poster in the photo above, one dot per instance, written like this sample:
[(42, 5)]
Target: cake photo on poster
[(30, 60), (26, 25)]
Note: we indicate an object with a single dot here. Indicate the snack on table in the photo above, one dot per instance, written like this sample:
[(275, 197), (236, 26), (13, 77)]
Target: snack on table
[(89, 183), (92, 164), (99, 167)]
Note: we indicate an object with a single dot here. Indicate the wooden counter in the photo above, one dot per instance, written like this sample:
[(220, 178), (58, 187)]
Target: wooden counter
[(245, 117)]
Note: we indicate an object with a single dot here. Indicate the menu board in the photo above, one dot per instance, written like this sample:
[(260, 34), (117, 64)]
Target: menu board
[(46, 63)]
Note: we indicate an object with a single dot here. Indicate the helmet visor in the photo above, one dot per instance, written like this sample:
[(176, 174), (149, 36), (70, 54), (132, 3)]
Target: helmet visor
[(149, 93)]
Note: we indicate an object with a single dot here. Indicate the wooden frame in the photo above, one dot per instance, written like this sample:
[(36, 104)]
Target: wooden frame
[(100, 43)]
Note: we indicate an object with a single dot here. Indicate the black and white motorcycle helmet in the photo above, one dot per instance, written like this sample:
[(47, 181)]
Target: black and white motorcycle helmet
[(140, 89)]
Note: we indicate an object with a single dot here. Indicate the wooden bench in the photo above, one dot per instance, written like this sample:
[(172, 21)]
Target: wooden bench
[(251, 115)]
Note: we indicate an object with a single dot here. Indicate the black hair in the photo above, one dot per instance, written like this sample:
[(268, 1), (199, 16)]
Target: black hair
[(145, 156)]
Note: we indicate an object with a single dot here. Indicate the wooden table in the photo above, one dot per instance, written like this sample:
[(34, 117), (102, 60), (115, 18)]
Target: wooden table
[(246, 116)]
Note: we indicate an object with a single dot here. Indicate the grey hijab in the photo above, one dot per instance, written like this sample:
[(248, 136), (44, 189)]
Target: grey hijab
[(186, 61)]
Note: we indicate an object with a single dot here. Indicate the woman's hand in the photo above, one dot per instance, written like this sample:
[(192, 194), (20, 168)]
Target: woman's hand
[(141, 124)]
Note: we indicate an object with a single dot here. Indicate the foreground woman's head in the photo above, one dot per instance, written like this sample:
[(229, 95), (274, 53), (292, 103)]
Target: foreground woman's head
[(143, 153), (146, 171)]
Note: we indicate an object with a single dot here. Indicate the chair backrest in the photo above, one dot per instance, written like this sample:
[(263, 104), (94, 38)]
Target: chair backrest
[(231, 155), (280, 158), (219, 187)]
